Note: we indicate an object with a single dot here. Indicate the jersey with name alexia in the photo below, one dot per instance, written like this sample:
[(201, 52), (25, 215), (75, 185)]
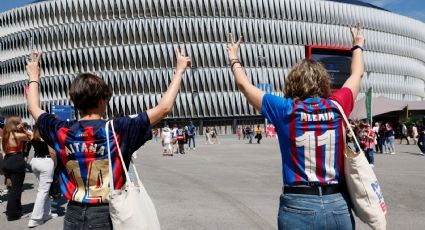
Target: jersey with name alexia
[(311, 136)]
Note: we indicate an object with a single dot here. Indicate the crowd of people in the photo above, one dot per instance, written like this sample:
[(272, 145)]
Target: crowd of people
[(250, 133), (178, 139), (380, 138), (16, 140)]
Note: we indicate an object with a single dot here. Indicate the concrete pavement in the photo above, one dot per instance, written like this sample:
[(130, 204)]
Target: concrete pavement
[(235, 185)]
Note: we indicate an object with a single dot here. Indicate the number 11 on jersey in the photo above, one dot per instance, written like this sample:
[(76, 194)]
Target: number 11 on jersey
[(308, 142)]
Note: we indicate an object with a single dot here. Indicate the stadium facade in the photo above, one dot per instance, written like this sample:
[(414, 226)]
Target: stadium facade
[(131, 43)]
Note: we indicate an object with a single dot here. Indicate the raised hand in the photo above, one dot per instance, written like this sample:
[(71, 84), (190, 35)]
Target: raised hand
[(33, 67), (357, 35), (233, 48), (182, 61)]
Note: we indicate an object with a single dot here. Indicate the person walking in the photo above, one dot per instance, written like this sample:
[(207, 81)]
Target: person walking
[(382, 138), (389, 141), (13, 141), (174, 141), (314, 189), (376, 130), (207, 136), (421, 137), (403, 133), (248, 132), (214, 136), (258, 134), (166, 139), (43, 166), (238, 133), (192, 134), (155, 134), (415, 134), (180, 140), (368, 142), (81, 144)]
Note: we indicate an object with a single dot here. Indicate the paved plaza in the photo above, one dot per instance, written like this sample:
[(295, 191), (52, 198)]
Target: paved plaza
[(235, 185)]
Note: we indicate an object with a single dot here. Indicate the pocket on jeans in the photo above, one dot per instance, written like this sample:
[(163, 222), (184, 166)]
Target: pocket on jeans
[(67, 225), (343, 219), (103, 226), (293, 217), (99, 221)]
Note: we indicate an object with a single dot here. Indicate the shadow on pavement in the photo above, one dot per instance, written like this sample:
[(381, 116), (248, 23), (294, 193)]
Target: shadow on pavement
[(414, 154), (27, 208), (27, 186)]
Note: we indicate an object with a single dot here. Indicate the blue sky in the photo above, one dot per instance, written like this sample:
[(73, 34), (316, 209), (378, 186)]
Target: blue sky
[(411, 8)]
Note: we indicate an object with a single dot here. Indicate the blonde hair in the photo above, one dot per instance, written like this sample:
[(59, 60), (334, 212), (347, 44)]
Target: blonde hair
[(307, 78), (10, 127)]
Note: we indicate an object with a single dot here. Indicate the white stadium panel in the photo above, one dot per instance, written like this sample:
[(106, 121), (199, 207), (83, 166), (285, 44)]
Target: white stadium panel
[(131, 44)]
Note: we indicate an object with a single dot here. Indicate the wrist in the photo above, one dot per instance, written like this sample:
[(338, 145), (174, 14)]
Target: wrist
[(180, 71), (34, 78), (357, 46)]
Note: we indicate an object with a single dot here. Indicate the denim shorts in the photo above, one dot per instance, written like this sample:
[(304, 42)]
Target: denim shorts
[(305, 212)]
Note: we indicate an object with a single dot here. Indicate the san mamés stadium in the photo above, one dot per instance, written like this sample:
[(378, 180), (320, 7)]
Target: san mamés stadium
[(131, 43)]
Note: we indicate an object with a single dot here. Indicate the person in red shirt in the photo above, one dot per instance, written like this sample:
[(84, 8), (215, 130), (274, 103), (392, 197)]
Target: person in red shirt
[(368, 142)]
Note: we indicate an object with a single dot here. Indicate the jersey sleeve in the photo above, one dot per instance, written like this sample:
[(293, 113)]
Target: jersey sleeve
[(48, 126), (274, 108), (344, 97), (134, 130)]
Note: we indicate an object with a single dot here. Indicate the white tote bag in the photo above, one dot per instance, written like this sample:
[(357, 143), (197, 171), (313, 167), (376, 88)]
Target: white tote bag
[(363, 187), (131, 206)]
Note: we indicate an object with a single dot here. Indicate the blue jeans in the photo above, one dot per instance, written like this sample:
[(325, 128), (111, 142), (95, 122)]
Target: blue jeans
[(389, 144), (79, 217), (370, 156), (381, 141), (298, 211), (250, 138), (192, 140)]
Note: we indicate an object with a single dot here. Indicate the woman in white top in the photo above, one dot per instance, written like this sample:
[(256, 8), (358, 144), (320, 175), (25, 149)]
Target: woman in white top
[(166, 142), (415, 134)]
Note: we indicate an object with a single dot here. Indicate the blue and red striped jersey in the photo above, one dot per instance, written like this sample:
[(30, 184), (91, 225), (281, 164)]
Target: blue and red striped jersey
[(82, 153), (310, 136)]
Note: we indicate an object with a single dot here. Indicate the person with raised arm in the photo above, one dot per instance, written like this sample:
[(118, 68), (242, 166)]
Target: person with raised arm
[(311, 138), (81, 145)]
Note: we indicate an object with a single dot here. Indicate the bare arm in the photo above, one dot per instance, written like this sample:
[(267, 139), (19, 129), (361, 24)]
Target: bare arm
[(357, 63), (252, 93), (33, 71), (52, 153), (166, 103), (23, 134)]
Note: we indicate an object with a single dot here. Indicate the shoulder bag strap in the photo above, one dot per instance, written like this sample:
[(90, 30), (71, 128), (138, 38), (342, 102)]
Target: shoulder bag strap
[(122, 161), (347, 123), (111, 123), (108, 147)]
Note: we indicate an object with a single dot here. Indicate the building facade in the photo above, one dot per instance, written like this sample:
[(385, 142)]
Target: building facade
[(131, 44)]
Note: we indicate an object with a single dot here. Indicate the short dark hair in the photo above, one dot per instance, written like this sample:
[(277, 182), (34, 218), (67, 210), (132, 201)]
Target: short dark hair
[(87, 89)]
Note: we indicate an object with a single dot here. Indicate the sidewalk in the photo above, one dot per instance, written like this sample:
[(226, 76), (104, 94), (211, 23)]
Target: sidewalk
[(235, 185)]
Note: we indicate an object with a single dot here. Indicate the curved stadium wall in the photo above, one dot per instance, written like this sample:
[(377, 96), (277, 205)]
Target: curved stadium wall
[(131, 45)]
